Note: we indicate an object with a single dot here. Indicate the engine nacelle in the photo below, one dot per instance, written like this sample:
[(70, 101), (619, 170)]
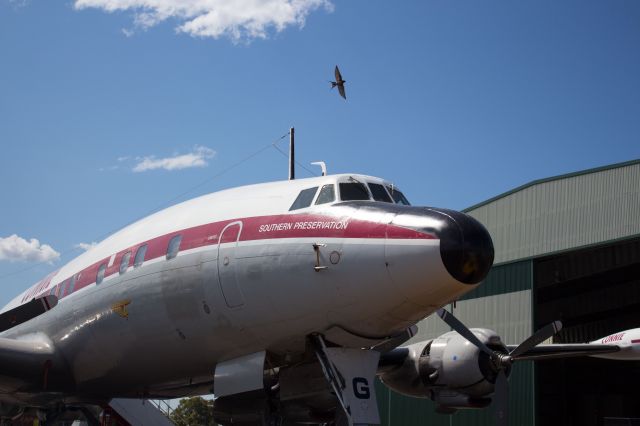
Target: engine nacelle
[(449, 370)]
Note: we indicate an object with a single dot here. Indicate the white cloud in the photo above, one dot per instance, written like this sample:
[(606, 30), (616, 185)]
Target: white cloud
[(197, 158), (86, 246), (15, 248), (18, 3), (235, 19)]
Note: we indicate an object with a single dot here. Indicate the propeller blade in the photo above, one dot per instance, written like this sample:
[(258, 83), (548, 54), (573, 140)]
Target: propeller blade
[(462, 329), (501, 399), (536, 338)]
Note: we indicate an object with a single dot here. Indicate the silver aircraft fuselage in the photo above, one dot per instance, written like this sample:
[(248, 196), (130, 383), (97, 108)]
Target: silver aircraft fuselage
[(248, 274)]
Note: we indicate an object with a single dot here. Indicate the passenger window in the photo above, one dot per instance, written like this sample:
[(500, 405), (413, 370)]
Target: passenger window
[(72, 283), (379, 193), (139, 256), (100, 275), (63, 288), (304, 198), (398, 196), (124, 263), (353, 191), (173, 247), (327, 194)]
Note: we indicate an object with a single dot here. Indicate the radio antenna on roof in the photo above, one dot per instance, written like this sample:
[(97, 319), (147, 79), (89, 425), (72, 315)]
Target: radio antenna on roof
[(292, 159)]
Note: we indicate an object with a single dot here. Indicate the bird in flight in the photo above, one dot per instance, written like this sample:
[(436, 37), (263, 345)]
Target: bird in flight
[(340, 83)]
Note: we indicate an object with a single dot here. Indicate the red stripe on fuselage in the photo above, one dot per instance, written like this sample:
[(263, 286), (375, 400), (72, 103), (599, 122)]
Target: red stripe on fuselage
[(38, 287), (253, 228)]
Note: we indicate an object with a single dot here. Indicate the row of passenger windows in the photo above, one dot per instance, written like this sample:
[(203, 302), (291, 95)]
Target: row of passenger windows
[(349, 191), (172, 251), (68, 286)]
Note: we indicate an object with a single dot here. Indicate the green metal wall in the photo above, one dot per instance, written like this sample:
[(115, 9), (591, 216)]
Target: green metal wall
[(505, 278)]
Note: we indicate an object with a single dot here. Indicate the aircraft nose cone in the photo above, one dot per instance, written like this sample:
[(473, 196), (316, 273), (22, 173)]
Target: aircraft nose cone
[(466, 248)]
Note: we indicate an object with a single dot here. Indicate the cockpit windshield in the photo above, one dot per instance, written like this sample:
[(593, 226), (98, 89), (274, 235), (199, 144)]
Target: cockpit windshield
[(350, 191), (304, 199), (398, 196), (326, 195), (379, 193)]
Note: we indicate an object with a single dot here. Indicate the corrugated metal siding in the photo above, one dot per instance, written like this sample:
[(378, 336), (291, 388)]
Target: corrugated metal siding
[(507, 314), (504, 278), (400, 410), (430, 328), (565, 213)]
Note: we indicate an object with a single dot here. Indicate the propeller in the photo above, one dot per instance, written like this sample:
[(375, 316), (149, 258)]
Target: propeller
[(501, 397), (501, 361)]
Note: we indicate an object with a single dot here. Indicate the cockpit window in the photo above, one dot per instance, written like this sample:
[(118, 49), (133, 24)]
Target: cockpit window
[(379, 193), (304, 198), (353, 191), (398, 196), (327, 194)]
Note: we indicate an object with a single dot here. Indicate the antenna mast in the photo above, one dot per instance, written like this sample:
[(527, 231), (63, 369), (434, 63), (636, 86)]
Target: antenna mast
[(292, 159)]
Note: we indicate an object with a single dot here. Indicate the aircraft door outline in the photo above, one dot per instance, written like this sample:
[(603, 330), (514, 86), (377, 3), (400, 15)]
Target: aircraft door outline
[(227, 265)]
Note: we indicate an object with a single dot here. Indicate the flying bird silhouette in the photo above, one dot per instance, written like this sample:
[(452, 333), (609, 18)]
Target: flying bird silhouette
[(340, 83)]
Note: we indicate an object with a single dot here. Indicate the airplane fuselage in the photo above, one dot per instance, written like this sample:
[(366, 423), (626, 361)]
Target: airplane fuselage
[(236, 272)]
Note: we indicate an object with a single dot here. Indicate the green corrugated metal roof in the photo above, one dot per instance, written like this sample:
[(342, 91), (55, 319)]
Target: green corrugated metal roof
[(553, 178)]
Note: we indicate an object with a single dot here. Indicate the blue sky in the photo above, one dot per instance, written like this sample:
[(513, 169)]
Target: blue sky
[(454, 101)]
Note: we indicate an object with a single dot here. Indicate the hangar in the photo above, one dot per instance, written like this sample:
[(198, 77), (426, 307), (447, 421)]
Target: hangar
[(567, 248)]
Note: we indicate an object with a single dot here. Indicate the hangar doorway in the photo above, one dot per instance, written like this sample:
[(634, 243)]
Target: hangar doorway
[(594, 292)]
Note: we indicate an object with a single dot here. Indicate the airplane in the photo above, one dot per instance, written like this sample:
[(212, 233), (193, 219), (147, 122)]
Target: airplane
[(285, 299)]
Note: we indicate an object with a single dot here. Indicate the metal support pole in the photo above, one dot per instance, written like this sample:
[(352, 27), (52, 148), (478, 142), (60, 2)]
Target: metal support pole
[(292, 157)]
